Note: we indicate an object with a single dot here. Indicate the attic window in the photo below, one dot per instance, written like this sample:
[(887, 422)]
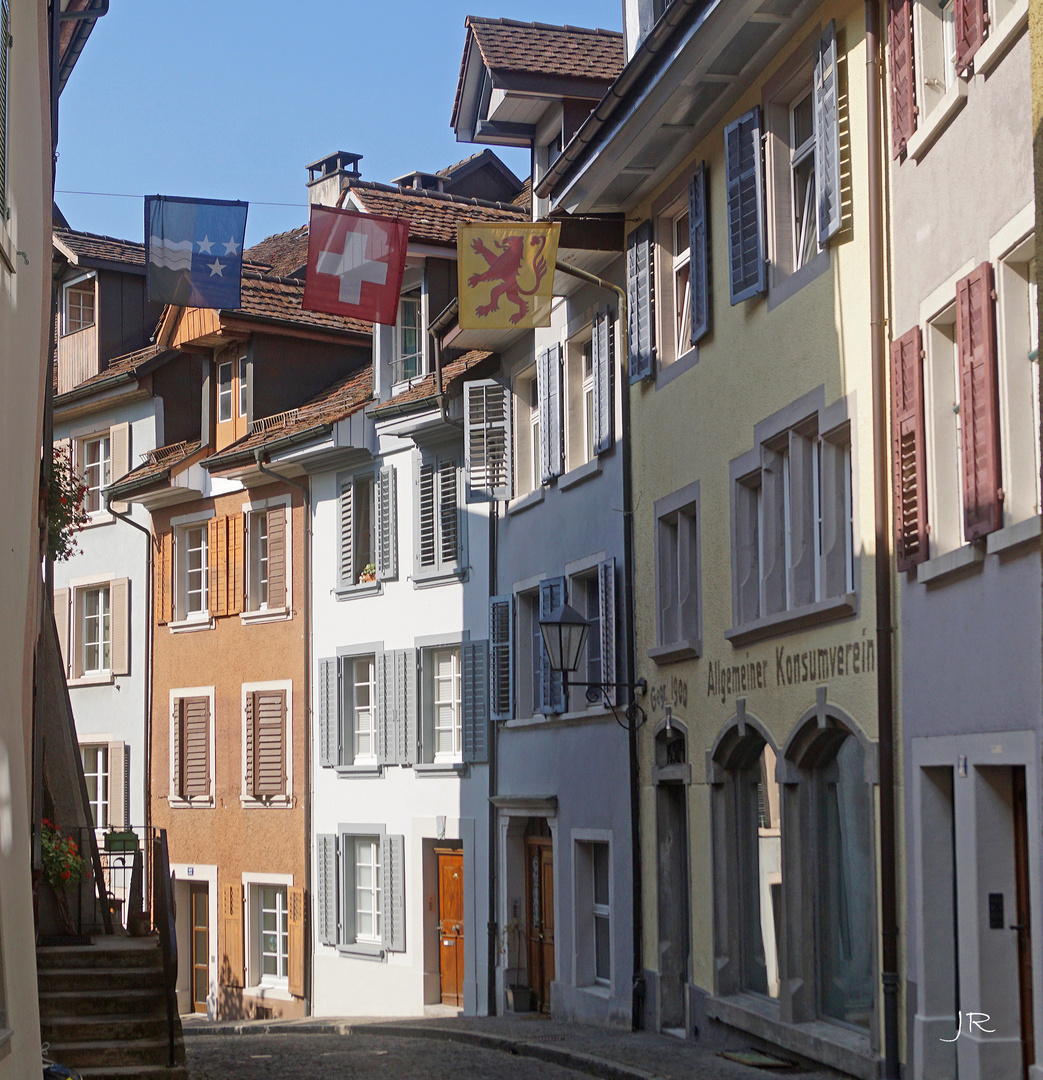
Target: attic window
[(78, 307)]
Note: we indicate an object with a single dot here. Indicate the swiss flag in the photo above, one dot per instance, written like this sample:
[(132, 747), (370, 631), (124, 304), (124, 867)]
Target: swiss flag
[(355, 264)]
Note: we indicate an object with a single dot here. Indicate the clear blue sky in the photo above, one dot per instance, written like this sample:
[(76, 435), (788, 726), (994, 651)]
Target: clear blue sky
[(231, 99)]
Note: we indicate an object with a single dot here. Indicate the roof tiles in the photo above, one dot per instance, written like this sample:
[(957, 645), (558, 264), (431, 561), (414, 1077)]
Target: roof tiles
[(103, 248), (266, 296), (283, 253), (424, 389), (538, 49)]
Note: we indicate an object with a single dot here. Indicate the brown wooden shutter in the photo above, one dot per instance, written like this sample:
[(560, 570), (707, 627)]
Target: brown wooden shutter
[(979, 398), (164, 573), (119, 606), (972, 20), (118, 785), (213, 567), (250, 721), (903, 84), (177, 750), (196, 747), (119, 451), (61, 622), (236, 564), (277, 557), (296, 943), (269, 760), (907, 449), (231, 918)]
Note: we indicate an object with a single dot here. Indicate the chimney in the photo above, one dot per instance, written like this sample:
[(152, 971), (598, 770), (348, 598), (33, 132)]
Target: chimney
[(330, 175)]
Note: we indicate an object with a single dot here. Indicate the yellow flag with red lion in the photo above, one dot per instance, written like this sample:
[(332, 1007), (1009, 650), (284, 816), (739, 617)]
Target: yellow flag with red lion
[(506, 275)]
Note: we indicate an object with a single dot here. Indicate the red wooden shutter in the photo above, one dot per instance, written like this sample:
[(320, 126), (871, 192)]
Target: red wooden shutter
[(903, 84), (972, 19), (269, 711), (979, 412), (196, 747), (907, 449), (277, 557)]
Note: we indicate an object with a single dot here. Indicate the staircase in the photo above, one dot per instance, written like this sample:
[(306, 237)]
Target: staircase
[(103, 1010)]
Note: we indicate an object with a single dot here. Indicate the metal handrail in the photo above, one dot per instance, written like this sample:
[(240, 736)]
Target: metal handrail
[(164, 916)]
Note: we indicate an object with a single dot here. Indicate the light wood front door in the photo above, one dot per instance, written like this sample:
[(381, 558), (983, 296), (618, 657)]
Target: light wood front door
[(539, 873), (451, 924), (200, 947)]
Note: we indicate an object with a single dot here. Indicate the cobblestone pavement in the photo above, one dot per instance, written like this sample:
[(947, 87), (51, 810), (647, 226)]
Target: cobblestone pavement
[(514, 1048)]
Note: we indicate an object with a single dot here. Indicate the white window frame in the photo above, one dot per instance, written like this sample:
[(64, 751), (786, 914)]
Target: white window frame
[(352, 729), (95, 491), (409, 298), (579, 395), (673, 337), (78, 285), (370, 945), (259, 985), (247, 799), (800, 155), (528, 645), (103, 781), (375, 892), (677, 531), (225, 392), (79, 587), (586, 911), (180, 526), (103, 618), (257, 560), (243, 385), (681, 269), (430, 700), (264, 613), (175, 801), (527, 434), (581, 582)]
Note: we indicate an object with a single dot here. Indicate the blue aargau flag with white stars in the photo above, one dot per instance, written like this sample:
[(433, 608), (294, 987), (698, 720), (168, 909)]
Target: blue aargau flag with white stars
[(194, 251)]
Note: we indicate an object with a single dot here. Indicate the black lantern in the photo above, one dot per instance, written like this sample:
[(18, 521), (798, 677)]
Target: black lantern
[(564, 635)]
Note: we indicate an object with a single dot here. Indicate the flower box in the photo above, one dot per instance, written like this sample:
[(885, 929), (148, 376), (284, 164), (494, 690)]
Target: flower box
[(121, 841)]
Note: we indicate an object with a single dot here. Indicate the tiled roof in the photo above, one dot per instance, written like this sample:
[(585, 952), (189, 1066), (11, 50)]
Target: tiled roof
[(432, 216), (283, 253), (266, 296), (538, 49), (524, 197), (338, 401), (424, 389), (157, 462), (104, 248), (447, 172), (127, 364)]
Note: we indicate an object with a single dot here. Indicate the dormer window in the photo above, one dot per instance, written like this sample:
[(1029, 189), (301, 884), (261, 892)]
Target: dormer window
[(409, 345), (78, 305), (224, 392), (243, 397)]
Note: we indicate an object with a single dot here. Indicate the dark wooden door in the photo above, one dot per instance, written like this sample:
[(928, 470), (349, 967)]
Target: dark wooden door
[(1023, 926), (200, 905), (451, 924), (539, 863)]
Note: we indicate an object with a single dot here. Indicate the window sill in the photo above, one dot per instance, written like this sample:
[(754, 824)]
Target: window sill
[(201, 802), (952, 101), (825, 611), (1013, 536), (430, 581), (951, 563), (523, 502), (268, 993), (362, 952), (441, 768), (996, 45), (597, 711), (276, 802), (685, 649), (582, 472), (265, 615), (668, 372), (793, 282), (189, 626), (103, 678), (352, 592), (374, 769), (99, 517), (598, 990)]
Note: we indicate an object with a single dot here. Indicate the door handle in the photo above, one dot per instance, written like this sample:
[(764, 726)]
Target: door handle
[(1013, 927)]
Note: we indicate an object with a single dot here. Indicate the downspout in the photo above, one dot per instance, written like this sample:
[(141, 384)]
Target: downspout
[(306, 568), (882, 567), (638, 980), (148, 650), (494, 515), (443, 320)]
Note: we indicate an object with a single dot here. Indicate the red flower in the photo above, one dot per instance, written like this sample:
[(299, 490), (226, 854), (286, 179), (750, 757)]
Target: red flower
[(66, 874)]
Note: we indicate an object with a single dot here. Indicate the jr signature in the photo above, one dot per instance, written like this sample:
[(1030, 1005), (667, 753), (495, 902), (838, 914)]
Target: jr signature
[(972, 1023)]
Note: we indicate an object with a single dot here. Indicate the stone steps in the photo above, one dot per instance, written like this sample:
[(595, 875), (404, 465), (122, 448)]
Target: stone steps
[(110, 1053), (99, 1002), (122, 1027), (88, 979), (135, 1072)]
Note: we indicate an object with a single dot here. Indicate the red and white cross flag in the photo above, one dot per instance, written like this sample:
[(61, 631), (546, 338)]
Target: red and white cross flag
[(355, 264)]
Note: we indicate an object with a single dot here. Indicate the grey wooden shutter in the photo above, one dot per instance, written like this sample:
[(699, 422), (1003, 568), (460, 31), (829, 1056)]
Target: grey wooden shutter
[(119, 608), (197, 747), (501, 656), (747, 554), (603, 355), (276, 558), (836, 517), (177, 749), (427, 549), (549, 397), (827, 135), (387, 752), (393, 922), (5, 31), (61, 622), (745, 183), (326, 888), (699, 253), (405, 706), (801, 570), (119, 451), (269, 724), (640, 304), (474, 676), (329, 700), (346, 554), (607, 626), (487, 441), (448, 514), (773, 535), (552, 596), (387, 523)]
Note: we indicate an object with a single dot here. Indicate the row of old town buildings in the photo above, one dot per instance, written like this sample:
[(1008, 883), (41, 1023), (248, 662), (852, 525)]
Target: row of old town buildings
[(779, 445)]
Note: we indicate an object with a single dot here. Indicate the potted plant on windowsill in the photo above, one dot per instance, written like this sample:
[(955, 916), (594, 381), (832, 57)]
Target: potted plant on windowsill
[(369, 573)]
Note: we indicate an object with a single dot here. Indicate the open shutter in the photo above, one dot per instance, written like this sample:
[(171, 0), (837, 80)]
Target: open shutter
[(61, 622), (552, 596), (196, 747), (640, 304), (385, 675), (405, 706), (501, 656), (474, 675), (745, 182), (329, 701), (277, 557), (801, 570), (773, 536), (747, 553), (119, 451), (163, 554), (603, 356), (834, 483), (177, 749), (426, 549), (326, 888), (827, 135), (979, 403), (119, 774), (393, 922), (448, 514), (607, 626), (387, 523), (971, 18), (345, 566), (295, 945), (487, 441), (699, 253), (270, 743), (231, 967), (217, 597), (903, 86), (237, 564), (250, 765), (548, 388), (908, 459), (119, 608)]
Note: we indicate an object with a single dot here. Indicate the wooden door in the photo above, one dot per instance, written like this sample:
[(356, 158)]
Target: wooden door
[(1023, 926), (539, 873), (200, 907), (451, 924)]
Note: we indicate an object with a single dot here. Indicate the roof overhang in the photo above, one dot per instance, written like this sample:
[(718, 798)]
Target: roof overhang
[(688, 72), (86, 262), (77, 19)]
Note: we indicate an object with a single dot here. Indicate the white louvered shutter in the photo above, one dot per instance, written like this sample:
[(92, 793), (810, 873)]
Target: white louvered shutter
[(552, 596), (326, 888), (345, 565), (405, 707), (448, 514), (427, 548), (387, 523), (640, 304), (607, 625), (385, 675), (699, 253), (393, 922), (329, 748), (551, 404), (488, 461), (474, 673), (827, 135), (603, 355), (501, 656), (745, 183)]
